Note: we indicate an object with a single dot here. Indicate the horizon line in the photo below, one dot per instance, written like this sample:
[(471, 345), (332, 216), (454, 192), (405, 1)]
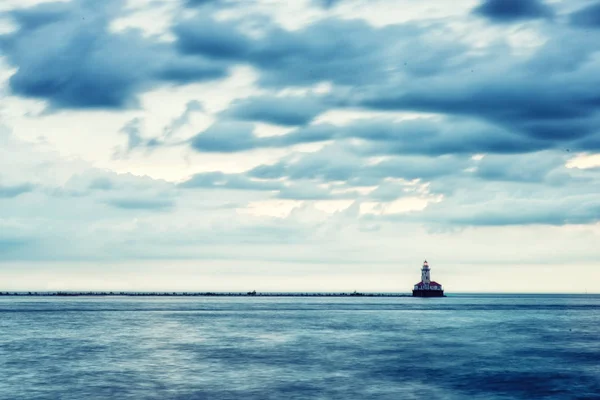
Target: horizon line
[(256, 293)]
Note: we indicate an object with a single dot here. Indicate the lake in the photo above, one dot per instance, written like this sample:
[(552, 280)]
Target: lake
[(458, 347)]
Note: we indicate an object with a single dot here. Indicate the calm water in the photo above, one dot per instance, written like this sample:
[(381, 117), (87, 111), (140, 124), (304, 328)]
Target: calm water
[(459, 347)]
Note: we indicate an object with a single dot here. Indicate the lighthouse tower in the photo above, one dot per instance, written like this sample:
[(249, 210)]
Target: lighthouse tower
[(425, 274), (427, 287)]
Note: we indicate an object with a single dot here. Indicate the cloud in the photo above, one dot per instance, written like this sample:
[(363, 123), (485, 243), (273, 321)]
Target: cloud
[(43, 14), (142, 204), (289, 110), (422, 136), (200, 2), (133, 130), (89, 181), (407, 105), (344, 52), (335, 173), (513, 212), (10, 245), (66, 53), (524, 103), (521, 112), (230, 136), (183, 70), (335, 164), (520, 189), (15, 190), (496, 190), (513, 10), (330, 164), (177, 123), (203, 35), (527, 168), (228, 181), (587, 17), (327, 3), (308, 191), (101, 183)]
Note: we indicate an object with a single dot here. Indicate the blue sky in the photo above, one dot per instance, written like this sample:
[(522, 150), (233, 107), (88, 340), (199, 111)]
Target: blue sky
[(315, 145)]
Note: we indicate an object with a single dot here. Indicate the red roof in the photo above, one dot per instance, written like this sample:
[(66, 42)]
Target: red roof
[(430, 284)]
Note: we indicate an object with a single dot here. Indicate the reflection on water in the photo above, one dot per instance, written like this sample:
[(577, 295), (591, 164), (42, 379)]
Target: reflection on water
[(459, 347)]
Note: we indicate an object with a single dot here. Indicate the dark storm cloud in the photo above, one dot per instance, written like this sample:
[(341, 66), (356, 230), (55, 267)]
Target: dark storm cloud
[(513, 10), (66, 54), (382, 136), (290, 110), (513, 104), (220, 40), (43, 14), (11, 191), (587, 17), (234, 136), (182, 70), (518, 100), (542, 108), (437, 136), (345, 52)]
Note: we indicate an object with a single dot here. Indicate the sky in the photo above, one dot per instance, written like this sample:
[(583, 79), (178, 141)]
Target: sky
[(318, 145)]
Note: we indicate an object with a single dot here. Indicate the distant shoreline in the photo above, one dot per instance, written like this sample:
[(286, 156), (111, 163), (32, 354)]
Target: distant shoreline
[(197, 294)]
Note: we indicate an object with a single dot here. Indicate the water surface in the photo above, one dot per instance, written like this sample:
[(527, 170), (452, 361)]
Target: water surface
[(459, 347)]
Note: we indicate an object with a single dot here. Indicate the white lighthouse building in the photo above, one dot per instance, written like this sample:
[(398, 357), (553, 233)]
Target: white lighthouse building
[(427, 287)]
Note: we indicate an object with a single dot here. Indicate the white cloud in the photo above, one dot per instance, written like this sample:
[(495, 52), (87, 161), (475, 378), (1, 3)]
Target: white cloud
[(270, 208), (153, 17), (584, 161), (387, 12), (7, 5)]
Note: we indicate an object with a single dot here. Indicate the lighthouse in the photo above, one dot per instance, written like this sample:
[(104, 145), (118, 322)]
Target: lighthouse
[(427, 287)]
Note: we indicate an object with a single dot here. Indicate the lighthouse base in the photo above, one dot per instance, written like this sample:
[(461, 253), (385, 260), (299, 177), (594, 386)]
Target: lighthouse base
[(428, 293)]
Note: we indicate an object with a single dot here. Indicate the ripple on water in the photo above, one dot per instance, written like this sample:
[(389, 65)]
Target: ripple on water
[(480, 347)]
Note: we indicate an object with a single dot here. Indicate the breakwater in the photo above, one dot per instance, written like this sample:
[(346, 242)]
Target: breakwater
[(204, 294)]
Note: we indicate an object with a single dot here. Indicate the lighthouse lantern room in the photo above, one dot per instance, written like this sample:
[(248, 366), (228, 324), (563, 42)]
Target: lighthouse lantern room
[(427, 287)]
